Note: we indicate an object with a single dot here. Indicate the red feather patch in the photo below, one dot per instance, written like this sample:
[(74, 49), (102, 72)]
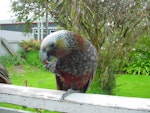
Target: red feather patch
[(80, 41), (76, 82)]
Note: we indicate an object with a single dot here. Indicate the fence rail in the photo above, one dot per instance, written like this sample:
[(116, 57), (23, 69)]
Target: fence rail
[(73, 103)]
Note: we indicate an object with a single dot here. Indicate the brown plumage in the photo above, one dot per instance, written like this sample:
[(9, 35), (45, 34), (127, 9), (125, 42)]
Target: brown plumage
[(4, 76), (76, 60)]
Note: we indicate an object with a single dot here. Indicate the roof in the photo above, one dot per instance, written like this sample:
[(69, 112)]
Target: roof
[(6, 21), (13, 22)]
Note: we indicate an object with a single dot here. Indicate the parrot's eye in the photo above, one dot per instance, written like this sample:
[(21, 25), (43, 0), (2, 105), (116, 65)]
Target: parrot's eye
[(52, 45)]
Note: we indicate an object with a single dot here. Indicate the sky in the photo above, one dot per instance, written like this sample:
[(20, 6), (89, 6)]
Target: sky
[(5, 9)]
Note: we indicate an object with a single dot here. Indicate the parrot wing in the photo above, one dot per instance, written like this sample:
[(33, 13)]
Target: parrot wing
[(66, 81)]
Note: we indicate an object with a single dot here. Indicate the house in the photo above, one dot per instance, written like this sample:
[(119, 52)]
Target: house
[(15, 31), (11, 34)]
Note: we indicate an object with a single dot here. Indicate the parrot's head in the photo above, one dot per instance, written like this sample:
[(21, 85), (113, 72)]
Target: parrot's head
[(59, 44)]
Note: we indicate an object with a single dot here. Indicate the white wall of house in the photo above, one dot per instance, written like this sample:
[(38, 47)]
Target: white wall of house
[(13, 38)]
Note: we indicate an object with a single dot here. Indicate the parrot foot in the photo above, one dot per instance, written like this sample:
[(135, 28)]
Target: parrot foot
[(69, 91), (51, 67)]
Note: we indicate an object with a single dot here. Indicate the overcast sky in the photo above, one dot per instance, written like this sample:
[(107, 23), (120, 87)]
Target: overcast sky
[(5, 10)]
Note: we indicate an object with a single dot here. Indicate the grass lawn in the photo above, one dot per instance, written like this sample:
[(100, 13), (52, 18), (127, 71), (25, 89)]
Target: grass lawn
[(27, 75), (31, 76), (133, 86)]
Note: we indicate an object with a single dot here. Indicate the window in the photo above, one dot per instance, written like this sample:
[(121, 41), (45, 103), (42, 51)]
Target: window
[(51, 31), (35, 31)]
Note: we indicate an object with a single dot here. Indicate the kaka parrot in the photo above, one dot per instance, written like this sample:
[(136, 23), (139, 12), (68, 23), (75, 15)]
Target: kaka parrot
[(4, 77), (75, 62)]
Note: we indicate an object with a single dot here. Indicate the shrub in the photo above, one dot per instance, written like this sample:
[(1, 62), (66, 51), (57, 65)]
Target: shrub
[(140, 66), (139, 61), (29, 55), (32, 58), (12, 60), (31, 52), (30, 45)]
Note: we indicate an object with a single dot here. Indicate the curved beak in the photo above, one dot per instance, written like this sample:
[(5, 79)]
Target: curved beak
[(44, 57)]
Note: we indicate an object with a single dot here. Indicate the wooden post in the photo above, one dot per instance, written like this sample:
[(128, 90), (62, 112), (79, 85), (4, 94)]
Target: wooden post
[(7, 46)]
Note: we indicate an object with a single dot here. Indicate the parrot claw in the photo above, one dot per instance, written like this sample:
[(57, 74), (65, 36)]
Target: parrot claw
[(68, 92), (51, 67)]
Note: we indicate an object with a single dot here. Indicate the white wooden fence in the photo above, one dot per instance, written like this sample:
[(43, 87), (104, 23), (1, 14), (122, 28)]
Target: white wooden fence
[(73, 103)]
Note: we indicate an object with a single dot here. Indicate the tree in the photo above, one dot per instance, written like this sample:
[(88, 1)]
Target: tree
[(113, 26), (29, 11)]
